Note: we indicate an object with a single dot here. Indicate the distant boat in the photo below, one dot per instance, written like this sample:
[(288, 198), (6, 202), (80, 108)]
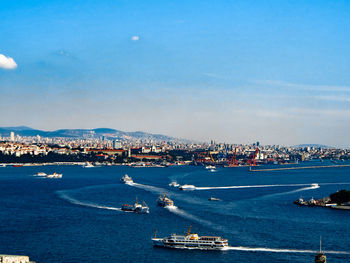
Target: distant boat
[(40, 174), (88, 165), (187, 187), (320, 256), (126, 179), (54, 175), (315, 185), (137, 208), (192, 241), (214, 199), (174, 184), (164, 201), (3, 165), (17, 165), (210, 167)]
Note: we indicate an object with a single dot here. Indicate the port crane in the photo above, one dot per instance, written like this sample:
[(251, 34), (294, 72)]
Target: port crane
[(233, 161), (251, 161)]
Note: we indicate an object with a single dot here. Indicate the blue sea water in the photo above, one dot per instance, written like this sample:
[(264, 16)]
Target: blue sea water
[(77, 218)]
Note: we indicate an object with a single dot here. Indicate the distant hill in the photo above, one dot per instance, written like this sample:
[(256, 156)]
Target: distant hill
[(313, 145), (87, 133)]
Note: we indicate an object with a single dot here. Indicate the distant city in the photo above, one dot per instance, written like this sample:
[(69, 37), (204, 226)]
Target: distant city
[(108, 147)]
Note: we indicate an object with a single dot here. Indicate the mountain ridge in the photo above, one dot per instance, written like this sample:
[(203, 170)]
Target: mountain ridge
[(87, 133)]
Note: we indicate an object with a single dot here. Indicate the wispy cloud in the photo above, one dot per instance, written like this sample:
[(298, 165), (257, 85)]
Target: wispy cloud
[(7, 62), (279, 83), (215, 76), (135, 38)]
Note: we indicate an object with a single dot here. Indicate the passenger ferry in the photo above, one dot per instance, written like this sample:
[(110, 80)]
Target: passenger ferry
[(191, 240), (126, 179), (164, 201)]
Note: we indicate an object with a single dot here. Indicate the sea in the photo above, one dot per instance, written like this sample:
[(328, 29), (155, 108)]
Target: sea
[(78, 218)]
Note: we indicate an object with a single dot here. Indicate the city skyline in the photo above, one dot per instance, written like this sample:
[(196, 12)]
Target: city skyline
[(275, 72)]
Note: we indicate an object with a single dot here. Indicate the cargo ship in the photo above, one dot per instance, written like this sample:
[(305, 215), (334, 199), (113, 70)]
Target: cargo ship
[(191, 240)]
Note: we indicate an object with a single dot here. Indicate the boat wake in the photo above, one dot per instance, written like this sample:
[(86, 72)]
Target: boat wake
[(63, 195), (186, 215), (282, 250), (248, 186)]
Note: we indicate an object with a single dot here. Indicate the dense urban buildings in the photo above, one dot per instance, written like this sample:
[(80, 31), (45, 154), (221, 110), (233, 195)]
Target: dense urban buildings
[(104, 150)]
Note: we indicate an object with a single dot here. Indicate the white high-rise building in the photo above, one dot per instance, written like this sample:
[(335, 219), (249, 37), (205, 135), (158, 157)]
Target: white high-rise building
[(12, 136)]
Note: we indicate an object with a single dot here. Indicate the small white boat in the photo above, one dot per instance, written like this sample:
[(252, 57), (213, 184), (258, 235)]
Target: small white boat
[(214, 199), (210, 167), (126, 179), (187, 187), (40, 174), (54, 175), (315, 185), (88, 165), (174, 184)]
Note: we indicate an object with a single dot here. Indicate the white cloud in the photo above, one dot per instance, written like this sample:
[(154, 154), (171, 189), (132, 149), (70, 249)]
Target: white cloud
[(135, 38), (7, 62)]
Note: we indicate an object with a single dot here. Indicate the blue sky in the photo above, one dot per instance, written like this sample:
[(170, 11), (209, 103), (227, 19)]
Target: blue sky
[(234, 71)]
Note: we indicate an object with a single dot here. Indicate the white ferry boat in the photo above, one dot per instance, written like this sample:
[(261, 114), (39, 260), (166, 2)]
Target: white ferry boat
[(126, 179), (187, 187), (54, 175), (191, 240)]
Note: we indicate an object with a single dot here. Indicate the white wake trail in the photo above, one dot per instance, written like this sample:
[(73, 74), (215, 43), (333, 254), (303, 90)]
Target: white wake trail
[(248, 186), (176, 210), (87, 204), (282, 250), (193, 218)]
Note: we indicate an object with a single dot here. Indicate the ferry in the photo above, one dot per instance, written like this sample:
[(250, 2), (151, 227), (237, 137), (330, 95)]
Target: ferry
[(40, 174), (126, 179), (187, 187), (54, 175), (137, 208), (191, 240), (174, 184), (164, 201)]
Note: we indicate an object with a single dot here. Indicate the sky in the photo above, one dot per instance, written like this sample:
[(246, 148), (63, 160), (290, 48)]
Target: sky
[(240, 71)]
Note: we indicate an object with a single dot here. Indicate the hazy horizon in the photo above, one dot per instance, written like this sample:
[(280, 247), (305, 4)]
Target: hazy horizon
[(231, 71)]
